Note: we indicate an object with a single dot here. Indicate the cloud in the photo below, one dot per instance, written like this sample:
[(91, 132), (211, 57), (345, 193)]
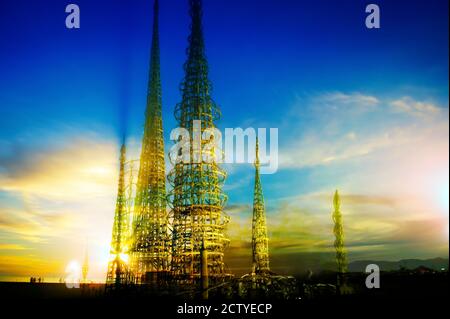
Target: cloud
[(312, 150), (33, 225), (11, 247), (360, 199), (355, 102), (416, 108), (336, 128), (24, 266), (82, 167)]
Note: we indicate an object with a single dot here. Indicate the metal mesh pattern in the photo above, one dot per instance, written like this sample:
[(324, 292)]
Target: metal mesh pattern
[(260, 242), (118, 272), (197, 198), (341, 255), (151, 242)]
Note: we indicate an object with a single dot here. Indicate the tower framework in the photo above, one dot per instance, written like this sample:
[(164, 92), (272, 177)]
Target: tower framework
[(260, 241), (151, 242), (261, 282), (197, 198), (118, 271), (341, 255)]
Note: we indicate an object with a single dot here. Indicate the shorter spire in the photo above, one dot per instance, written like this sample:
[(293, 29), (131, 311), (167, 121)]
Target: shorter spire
[(117, 269), (341, 254), (260, 241), (336, 201), (257, 153)]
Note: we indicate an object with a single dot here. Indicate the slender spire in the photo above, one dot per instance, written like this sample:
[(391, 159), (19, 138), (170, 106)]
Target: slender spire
[(257, 155), (154, 103), (196, 87), (260, 242), (117, 266), (119, 217), (341, 254), (151, 245)]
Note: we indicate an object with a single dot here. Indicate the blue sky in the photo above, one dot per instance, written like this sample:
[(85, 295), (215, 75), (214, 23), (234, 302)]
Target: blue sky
[(262, 54), (365, 111)]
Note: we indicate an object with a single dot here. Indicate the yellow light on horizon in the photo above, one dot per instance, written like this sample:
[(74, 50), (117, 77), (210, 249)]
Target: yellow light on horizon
[(73, 274)]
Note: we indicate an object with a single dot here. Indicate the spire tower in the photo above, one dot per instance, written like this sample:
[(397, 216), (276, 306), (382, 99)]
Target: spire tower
[(151, 244), (260, 242), (341, 255), (118, 269), (197, 199)]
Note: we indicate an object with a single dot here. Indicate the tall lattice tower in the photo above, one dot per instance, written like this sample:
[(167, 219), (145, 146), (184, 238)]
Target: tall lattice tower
[(261, 282), (199, 222), (341, 254), (118, 270), (151, 243), (260, 242)]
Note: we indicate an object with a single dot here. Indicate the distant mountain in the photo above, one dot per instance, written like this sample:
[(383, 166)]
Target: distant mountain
[(434, 263)]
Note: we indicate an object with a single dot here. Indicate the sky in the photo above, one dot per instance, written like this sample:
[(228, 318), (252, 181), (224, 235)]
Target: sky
[(361, 110)]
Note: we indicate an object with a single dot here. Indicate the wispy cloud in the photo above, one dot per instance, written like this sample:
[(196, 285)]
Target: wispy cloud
[(416, 108), (11, 247), (354, 102), (24, 266), (338, 127), (80, 167)]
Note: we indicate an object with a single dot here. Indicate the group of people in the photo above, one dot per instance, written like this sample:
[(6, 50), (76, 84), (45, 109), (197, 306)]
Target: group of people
[(34, 280)]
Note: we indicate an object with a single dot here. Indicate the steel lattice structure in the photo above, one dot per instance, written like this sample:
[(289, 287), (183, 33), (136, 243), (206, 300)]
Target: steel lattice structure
[(260, 242), (118, 270), (198, 239), (261, 282), (341, 254), (150, 250)]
